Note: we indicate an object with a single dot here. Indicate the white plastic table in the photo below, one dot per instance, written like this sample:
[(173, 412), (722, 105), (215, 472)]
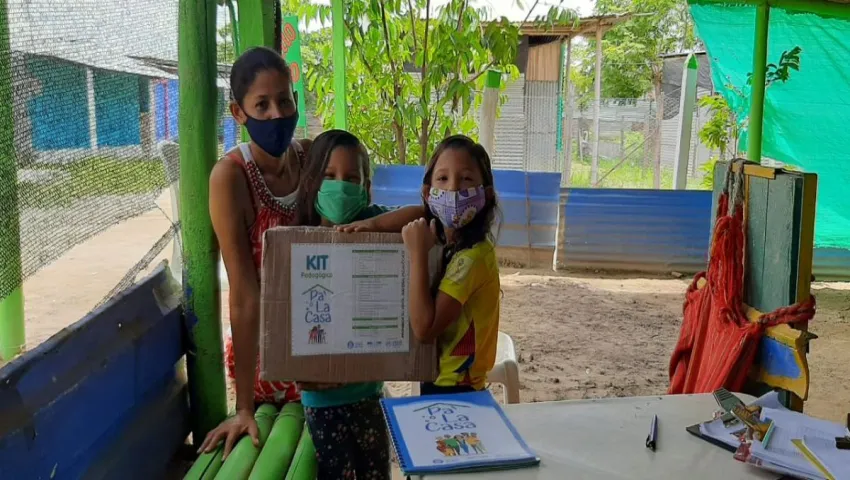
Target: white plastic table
[(605, 439)]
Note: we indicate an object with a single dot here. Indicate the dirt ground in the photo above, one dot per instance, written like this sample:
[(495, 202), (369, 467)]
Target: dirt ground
[(577, 336)]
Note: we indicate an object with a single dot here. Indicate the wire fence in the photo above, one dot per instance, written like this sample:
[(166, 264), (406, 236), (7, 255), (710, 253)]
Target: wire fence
[(636, 146)]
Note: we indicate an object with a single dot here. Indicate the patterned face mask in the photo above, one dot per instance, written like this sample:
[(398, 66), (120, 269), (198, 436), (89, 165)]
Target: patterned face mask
[(456, 208)]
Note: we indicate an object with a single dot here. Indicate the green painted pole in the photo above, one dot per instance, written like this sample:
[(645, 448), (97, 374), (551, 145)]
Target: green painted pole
[(304, 465), (340, 101), (198, 151), (234, 29), (756, 122), (280, 447), (239, 464), (207, 466), (256, 23), (256, 29), (12, 335)]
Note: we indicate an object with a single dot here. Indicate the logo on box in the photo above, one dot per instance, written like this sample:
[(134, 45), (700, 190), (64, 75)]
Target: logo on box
[(317, 335), (318, 266)]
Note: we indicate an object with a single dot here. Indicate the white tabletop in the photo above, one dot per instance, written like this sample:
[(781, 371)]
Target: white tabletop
[(605, 439)]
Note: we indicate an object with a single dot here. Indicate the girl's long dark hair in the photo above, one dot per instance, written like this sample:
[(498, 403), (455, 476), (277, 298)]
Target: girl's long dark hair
[(481, 226), (313, 173)]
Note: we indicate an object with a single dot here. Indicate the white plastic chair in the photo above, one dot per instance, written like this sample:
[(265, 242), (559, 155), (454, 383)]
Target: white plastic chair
[(505, 371)]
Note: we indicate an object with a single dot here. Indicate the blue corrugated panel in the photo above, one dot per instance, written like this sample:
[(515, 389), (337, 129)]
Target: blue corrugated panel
[(643, 230), (81, 402), (653, 231), (832, 264), (526, 200)]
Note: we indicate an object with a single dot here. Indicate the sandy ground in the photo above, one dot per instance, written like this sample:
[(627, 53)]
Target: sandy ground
[(577, 337)]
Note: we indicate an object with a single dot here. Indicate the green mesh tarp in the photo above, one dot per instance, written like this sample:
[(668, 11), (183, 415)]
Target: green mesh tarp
[(807, 118)]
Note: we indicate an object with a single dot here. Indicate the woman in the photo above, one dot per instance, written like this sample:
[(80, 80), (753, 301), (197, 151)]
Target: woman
[(254, 188)]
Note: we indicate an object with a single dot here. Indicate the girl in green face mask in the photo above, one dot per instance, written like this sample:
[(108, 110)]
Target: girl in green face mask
[(346, 421)]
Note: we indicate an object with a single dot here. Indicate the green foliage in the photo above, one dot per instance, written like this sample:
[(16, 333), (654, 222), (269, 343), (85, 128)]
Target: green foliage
[(398, 115), (723, 126), (96, 177), (631, 51), (789, 60), (716, 133), (225, 51)]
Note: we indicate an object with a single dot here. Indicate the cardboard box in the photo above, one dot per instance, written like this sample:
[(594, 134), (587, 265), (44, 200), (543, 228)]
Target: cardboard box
[(333, 308)]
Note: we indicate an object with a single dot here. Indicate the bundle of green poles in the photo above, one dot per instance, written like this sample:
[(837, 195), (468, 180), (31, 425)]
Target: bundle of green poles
[(286, 450)]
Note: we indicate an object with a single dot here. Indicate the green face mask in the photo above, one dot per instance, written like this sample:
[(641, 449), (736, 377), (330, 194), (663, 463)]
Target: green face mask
[(340, 202)]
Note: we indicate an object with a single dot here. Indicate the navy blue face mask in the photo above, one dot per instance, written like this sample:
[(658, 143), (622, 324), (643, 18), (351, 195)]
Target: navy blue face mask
[(274, 135)]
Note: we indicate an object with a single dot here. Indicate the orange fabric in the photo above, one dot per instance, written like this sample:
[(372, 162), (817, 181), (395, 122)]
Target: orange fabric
[(718, 343)]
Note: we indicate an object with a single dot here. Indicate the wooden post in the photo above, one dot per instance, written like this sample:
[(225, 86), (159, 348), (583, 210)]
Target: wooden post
[(566, 176), (489, 107), (686, 122), (340, 102), (597, 109)]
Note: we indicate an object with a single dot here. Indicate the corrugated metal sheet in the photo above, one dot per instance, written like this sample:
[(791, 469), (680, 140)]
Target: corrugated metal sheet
[(643, 230), (541, 112), (528, 201), (511, 126), (650, 231)]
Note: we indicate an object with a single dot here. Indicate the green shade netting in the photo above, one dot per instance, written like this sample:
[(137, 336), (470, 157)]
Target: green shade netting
[(807, 119)]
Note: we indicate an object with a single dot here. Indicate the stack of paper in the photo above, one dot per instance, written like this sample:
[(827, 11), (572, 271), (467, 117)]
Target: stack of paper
[(833, 463), (782, 455)]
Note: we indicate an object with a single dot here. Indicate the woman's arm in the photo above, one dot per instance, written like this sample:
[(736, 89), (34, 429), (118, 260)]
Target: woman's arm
[(228, 195), (429, 317), (391, 222)]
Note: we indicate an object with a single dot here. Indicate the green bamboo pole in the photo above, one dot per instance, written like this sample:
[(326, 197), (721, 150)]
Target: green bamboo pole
[(207, 466), (198, 151), (256, 23), (340, 102), (280, 447), (756, 122), (241, 459), (255, 20), (234, 29), (304, 465), (12, 335)]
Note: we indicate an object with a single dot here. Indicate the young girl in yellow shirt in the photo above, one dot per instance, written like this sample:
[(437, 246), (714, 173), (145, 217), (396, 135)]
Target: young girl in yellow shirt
[(461, 309)]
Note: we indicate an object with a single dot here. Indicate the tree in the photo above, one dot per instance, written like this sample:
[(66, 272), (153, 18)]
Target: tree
[(632, 50), (723, 127), (412, 69)]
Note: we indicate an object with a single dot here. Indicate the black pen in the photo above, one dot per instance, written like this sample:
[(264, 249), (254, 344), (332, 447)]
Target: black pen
[(652, 438)]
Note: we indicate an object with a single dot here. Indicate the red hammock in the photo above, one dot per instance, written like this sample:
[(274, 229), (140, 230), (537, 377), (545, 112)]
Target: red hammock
[(718, 343)]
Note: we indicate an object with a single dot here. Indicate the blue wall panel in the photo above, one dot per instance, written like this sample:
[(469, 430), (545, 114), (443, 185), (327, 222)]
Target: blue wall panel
[(645, 230), (528, 201), (60, 113), (117, 109), (69, 406)]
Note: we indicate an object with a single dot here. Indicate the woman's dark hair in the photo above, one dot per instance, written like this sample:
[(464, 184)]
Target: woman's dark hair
[(313, 173), (246, 68), (481, 227)]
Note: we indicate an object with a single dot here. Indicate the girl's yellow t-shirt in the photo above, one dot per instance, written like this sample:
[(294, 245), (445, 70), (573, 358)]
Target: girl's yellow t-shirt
[(468, 346)]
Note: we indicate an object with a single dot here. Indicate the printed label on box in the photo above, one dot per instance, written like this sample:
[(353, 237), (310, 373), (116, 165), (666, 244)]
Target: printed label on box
[(348, 298)]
